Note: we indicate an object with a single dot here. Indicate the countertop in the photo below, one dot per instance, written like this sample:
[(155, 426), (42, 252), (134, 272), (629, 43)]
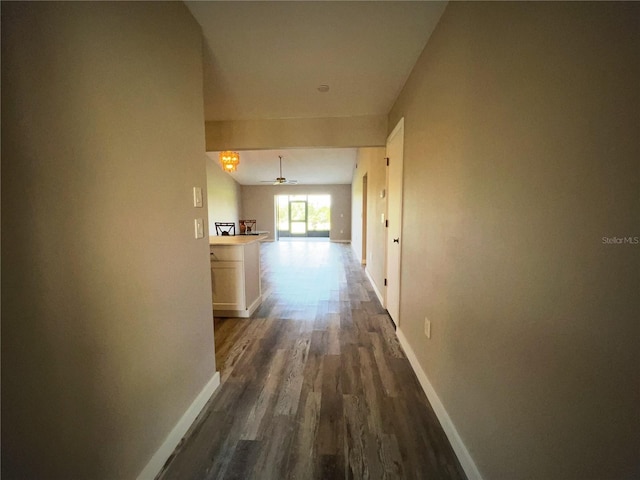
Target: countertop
[(236, 239)]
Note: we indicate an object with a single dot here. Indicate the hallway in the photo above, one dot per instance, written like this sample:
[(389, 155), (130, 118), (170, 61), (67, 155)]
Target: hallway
[(315, 385)]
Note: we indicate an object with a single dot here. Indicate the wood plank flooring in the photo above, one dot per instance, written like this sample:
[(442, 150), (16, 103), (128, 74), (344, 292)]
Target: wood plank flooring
[(315, 385)]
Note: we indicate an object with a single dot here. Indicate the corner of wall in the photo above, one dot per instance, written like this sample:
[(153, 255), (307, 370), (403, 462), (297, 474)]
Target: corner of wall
[(468, 465), (182, 427)]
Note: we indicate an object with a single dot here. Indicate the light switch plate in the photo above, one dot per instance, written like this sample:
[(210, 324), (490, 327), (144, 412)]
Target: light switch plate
[(199, 226), (427, 327), (197, 196)]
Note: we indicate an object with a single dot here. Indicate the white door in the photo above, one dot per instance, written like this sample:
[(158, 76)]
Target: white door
[(364, 220), (395, 151)]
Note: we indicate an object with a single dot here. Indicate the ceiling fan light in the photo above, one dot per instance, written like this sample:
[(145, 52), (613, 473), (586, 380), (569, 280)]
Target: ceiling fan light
[(229, 161)]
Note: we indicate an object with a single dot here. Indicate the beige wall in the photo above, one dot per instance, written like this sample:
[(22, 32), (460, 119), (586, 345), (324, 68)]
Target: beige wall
[(107, 331), (521, 153), (370, 162), (223, 193), (366, 131), (258, 203)]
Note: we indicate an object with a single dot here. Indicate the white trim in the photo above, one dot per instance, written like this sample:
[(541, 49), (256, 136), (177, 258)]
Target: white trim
[(339, 241), (170, 443), (231, 313), (449, 428), (398, 130), (398, 126), (254, 306), (375, 288), (355, 252), (219, 311)]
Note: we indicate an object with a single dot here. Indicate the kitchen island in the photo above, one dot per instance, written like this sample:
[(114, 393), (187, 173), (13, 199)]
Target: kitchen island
[(235, 274)]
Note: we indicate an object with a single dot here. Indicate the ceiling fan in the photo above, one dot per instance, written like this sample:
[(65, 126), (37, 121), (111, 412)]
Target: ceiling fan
[(281, 180)]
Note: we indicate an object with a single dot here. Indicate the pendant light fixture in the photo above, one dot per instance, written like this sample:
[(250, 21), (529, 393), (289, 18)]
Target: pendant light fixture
[(229, 161)]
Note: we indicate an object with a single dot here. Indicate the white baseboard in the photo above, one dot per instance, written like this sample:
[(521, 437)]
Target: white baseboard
[(171, 442), (340, 241), (375, 288), (354, 249), (449, 428), (254, 306), (246, 313)]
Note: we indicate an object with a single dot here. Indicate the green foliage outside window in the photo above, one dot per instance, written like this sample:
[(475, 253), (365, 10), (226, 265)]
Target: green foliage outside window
[(318, 213)]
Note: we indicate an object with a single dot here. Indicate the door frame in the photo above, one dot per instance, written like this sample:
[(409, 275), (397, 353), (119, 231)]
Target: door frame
[(364, 219), (393, 279), (306, 219)]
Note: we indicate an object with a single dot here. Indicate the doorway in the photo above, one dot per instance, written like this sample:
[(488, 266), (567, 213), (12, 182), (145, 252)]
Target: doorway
[(395, 160), (364, 220), (303, 216), (298, 213)]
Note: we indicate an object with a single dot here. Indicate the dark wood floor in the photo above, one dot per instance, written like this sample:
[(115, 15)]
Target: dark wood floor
[(315, 385)]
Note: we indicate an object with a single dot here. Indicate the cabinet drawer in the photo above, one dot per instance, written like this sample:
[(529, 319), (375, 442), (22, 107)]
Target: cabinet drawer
[(225, 253)]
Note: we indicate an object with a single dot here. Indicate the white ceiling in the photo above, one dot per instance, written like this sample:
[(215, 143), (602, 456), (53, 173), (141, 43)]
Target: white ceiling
[(266, 60), (310, 166)]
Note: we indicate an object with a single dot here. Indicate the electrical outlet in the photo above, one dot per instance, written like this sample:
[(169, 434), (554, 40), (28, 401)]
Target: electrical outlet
[(427, 327)]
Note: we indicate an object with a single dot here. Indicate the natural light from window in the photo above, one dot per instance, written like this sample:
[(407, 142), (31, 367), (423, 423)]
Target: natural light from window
[(303, 215)]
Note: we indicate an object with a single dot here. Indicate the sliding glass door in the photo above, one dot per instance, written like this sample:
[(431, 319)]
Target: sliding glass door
[(303, 215), (298, 218)]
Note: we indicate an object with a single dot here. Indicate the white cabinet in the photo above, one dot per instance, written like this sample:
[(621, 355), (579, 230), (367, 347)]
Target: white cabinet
[(227, 284), (235, 277)]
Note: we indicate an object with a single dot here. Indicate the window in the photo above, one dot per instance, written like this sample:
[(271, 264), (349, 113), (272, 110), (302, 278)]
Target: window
[(303, 215)]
